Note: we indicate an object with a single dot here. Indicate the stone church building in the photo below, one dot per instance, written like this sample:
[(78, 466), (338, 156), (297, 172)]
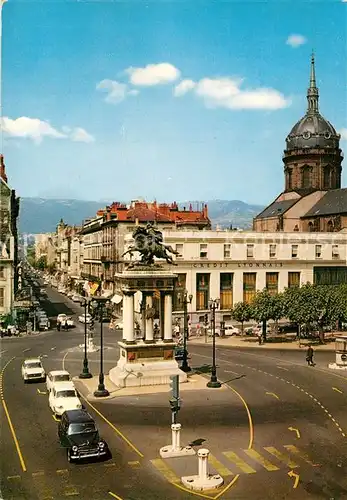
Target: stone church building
[(312, 199)]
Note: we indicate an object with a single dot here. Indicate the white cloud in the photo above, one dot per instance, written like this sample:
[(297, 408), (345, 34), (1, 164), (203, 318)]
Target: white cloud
[(78, 134), (116, 91), (226, 93), (343, 131), (183, 87), (296, 40), (36, 130), (153, 74)]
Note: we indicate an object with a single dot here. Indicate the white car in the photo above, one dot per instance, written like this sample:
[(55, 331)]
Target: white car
[(76, 298), (85, 319), (56, 377), (32, 369), (63, 318), (63, 397), (229, 330)]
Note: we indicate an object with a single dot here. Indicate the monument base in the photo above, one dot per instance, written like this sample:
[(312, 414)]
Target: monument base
[(143, 364), (196, 483), (335, 366)]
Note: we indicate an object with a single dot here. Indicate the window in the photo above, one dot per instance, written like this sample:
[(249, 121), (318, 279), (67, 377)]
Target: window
[(318, 251), (272, 283), (272, 251), (249, 286), (306, 177), (180, 286), (203, 251), (2, 297), (295, 249), (2, 272), (250, 251), (226, 290), (310, 227), (290, 178), (202, 291), (329, 275), (330, 227), (227, 251), (335, 252), (326, 177), (293, 279), (179, 249), (296, 227)]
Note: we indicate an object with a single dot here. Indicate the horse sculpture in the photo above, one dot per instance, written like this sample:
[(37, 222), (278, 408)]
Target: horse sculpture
[(148, 241)]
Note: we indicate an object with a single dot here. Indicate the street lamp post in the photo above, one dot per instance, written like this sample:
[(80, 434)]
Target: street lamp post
[(214, 383), (85, 372), (187, 299), (101, 390)]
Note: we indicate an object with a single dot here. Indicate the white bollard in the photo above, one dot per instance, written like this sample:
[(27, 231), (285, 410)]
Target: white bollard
[(203, 454), (176, 437)]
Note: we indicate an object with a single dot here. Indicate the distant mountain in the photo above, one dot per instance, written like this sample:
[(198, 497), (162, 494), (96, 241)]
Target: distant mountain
[(41, 215)]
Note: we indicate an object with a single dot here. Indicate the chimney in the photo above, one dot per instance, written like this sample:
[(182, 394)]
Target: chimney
[(2, 168)]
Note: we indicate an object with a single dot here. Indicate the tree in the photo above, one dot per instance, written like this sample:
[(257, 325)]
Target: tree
[(241, 312), (266, 306), (41, 262)]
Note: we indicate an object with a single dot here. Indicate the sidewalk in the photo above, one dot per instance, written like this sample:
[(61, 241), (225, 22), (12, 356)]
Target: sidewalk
[(252, 343)]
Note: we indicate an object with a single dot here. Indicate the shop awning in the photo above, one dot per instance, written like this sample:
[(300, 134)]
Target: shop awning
[(117, 299)]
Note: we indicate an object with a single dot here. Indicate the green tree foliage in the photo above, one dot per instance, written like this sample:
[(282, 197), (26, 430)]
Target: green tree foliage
[(266, 306), (241, 312), (41, 263)]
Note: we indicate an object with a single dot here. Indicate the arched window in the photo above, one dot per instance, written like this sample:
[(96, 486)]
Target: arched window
[(290, 178), (310, 227), (327, 178), (330, 226), (296, 227), (306, 177)]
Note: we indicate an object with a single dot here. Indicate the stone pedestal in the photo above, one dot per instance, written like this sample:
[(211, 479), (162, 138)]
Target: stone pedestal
[(149, 361)]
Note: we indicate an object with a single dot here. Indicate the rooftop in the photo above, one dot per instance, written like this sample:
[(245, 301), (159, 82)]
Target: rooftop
[(333, 202)]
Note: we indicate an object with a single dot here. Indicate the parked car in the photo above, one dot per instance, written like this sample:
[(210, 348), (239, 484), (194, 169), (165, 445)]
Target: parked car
[(63, 397), (288, 328), (229, 330), (76, 298), (32, 369), (43, 323), (61, 289), (55, 377), (179, 353), (78, 433), (85, 318)]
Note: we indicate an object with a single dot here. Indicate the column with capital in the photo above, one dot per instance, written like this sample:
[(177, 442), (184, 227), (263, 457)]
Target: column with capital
[(128, 318), (168, 317), (149, 339)]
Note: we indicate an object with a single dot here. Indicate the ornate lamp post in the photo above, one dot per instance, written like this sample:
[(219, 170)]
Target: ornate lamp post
[(101, 390), (187, 299), (214, 383), (85, 372)]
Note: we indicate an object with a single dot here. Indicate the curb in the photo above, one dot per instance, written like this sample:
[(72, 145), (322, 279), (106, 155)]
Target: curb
[(266, 347)]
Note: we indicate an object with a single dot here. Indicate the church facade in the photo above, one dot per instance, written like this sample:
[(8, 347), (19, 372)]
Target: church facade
[(312, 200)]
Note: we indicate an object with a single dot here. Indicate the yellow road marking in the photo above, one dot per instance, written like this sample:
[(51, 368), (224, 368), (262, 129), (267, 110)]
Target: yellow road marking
[(291, 473), (281, 457), (168, 473), (300, 454), (134, 463), (114, 495), (241, 464), (114, 428), (64, 359), (337, 390), (295, 430), (19, 453), (55, 418), (38, 473), (272, 393), (220, 468), (41, 392), (261, 460), (13, 477), (249, 415)]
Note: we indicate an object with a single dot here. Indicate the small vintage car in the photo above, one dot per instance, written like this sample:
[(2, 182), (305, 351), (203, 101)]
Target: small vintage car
[(57, 376), (32, 369), (78, 433), (63, 397)]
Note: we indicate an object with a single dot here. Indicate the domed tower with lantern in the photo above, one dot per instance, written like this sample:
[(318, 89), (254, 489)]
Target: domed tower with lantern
[(313, 199)]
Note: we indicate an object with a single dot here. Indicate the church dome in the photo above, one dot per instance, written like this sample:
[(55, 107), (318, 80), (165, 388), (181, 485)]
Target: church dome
[(312, 130)]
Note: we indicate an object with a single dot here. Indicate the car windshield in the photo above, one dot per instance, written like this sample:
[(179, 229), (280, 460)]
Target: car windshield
[(33, 365), (82, 428), (66, 394), (62, 378)]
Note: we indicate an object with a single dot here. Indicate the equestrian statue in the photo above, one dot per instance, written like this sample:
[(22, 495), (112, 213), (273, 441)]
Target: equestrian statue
[(148, 241)]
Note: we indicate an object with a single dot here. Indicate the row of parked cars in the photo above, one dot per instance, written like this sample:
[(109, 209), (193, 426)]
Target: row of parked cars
[(77, 430)]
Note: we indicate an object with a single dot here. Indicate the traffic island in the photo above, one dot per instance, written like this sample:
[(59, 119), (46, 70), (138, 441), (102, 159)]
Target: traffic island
[(203, 481)]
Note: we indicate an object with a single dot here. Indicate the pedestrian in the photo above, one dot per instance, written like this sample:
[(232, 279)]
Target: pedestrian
[(309, 356), (58, 326), (260, 336)]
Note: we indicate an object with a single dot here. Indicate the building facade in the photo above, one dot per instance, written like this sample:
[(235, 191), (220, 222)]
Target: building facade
[(313, 199), (233, 266)]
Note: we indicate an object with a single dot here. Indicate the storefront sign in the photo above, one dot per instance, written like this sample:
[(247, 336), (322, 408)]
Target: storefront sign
[(219, 265)]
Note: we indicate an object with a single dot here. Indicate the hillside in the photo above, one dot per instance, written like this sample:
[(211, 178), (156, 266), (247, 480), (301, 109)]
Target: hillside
[(41, 215)]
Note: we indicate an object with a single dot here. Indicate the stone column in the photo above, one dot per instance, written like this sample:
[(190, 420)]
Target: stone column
[(128, 318), (168, 317), (149, 338)]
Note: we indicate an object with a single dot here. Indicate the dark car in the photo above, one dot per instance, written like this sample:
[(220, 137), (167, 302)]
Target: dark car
[(179, 353), (79, 435)]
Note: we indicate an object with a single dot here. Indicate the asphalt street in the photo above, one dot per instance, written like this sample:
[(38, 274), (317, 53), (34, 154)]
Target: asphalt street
[(275, 430)]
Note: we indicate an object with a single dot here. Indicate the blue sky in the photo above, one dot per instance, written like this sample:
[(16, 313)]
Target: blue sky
[(163, 100)]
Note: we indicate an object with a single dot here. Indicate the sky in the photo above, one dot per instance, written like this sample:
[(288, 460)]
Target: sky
[(166, 100)]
